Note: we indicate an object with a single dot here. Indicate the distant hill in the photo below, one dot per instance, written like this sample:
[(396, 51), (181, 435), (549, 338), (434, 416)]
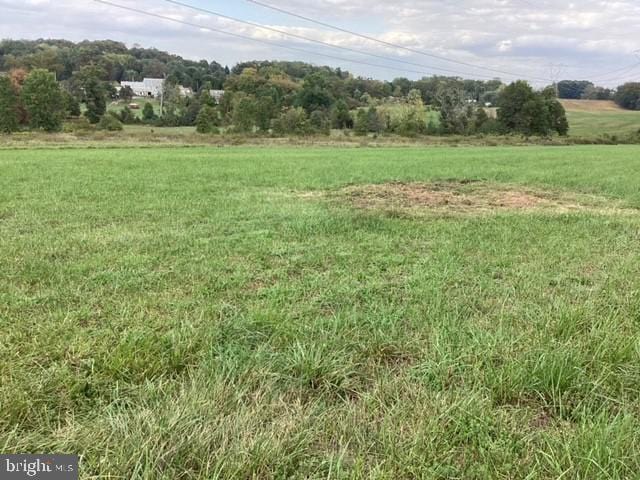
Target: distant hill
[(588, 118), (592, 106)]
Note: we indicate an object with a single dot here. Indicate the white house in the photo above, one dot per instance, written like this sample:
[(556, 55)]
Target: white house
[(216, 95), (185, 91), (149, 87)]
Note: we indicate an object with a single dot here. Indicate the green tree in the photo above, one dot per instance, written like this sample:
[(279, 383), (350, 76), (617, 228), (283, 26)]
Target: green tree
[(628, 96), (293, 121), (89, 80), (109, 122), (454, 114), (43, 100), (173, 104), (190, 111), (597, 93), (375, 121), (573, 89), (95, 100), (207, 119), (8, 106), (411, 123), (207, 99), (480, 119), (126, 116), (126, 93), (340, 115), (315, 93), (71, 104), (362, 122), (319, 121), (557, 116), (148, 113), (244, 113), (265, 110), (522, 110)]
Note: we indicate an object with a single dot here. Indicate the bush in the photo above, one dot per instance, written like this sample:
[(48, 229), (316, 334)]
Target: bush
[(78, 125), (71, 105), (207, 120), (292, 121), (411, 124), (490, 127), (361, 124), (628, 96), (110, 123), (127, 116), (148, 113), (8, 106), (320, 122)]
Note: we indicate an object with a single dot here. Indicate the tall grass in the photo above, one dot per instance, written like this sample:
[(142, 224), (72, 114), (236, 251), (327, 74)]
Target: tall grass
[(206, 313)]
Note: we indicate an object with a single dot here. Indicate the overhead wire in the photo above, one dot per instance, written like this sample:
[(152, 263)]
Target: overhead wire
[(402, 47), (384, 42), (265, 42)]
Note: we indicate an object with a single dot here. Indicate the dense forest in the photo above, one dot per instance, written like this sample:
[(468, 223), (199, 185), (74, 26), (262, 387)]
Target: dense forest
[(116, 62), (273, 96)]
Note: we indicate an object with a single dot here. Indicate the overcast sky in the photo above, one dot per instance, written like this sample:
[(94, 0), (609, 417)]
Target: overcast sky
[(533, 39)]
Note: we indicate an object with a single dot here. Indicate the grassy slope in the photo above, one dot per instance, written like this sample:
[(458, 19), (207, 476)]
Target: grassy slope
[(589, 118), (184, 313), (119, 105)]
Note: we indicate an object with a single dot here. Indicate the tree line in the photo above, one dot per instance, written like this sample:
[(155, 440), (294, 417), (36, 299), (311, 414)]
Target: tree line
[(626, 96), (45, 82)]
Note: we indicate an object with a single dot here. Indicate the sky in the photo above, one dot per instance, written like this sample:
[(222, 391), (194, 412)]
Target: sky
[(538, 40)]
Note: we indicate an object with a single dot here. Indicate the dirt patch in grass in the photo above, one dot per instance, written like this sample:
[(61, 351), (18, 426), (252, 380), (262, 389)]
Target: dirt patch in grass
[(468, 196)]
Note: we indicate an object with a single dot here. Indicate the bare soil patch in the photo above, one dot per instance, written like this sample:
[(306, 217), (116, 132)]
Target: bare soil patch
[(467, 196)]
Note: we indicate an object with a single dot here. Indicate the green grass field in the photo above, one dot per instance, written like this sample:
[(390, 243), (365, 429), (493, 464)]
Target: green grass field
[(118, 106), (204, 313), (593, 118), (592, 124)]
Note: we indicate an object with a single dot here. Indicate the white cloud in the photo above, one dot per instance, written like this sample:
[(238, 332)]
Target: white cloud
[(519, 36)]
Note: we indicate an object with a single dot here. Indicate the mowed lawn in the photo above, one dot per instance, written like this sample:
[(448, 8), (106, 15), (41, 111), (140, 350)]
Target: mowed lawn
[(205, 313)]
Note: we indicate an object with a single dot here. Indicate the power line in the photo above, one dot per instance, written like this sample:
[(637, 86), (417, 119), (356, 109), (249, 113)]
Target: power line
[(412, 50), (626, 76), (265, 42), (349, 49), (383, 42)]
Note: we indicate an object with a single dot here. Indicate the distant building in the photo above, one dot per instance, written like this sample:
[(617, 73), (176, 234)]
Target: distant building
[(149, 87), (185, 91), (216, 95)]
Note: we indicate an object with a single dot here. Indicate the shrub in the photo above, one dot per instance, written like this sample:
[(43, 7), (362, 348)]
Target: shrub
[(127, 116), (411, 124), (628, 96), (148, 113), (361, 124), (78, 125), (110, 123), (207, 120), (8, 106), (292, 121), (320, 122), (71, 105)]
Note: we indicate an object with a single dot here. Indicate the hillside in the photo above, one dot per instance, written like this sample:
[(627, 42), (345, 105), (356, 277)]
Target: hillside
[(592, 106), (598, 117)]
